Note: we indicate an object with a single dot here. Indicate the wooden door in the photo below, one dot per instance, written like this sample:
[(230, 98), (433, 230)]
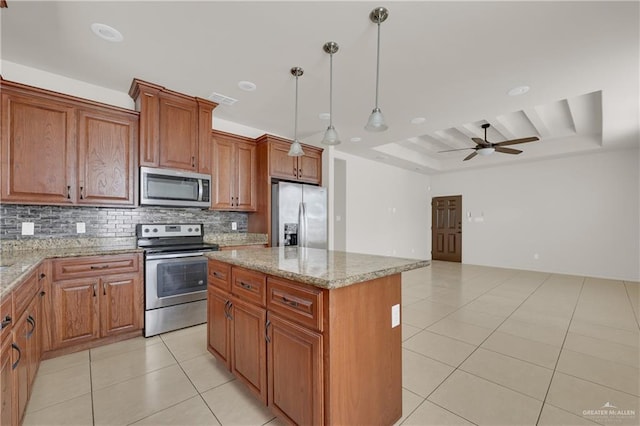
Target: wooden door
[(205, 148), (310, 166), (178, 132), (446, 228), (21, 330), (75, 308), (6, 383), (295, 372), (121, 302), (249, 350), (218, 325), (223, 165), (106, 157), (246, 176), (280, 164), (38, 150)]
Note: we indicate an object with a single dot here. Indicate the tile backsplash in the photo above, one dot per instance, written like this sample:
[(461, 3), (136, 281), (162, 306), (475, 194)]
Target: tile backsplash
[(60, 221)]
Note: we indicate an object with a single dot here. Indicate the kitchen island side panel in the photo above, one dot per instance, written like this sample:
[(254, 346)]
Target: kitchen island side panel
[(364, 375)]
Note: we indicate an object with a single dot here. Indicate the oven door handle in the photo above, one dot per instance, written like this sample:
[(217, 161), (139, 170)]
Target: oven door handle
[(174, 255)]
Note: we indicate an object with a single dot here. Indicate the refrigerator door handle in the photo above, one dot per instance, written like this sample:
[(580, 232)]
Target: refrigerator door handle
[(302, 225)]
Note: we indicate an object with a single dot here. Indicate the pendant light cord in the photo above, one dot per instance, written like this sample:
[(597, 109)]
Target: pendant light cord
[(378, 66), (331, 90), (295, 124)]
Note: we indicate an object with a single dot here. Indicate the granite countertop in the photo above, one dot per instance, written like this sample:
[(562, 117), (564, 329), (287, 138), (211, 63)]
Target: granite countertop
[(321, 268), (19, 259), (236, 239)]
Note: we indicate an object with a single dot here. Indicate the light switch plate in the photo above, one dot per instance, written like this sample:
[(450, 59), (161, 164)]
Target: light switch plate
[(81, 228), (395, 316), (27, 228)]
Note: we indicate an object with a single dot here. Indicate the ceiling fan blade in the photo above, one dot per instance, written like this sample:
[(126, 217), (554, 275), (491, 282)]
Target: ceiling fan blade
[(480, 142), (451, 150), (507, 150), (517, 141), (470, 156)]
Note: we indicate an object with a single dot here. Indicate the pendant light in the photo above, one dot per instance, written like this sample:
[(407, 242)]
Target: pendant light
[(376, 119), (296, 148), (330, 135)]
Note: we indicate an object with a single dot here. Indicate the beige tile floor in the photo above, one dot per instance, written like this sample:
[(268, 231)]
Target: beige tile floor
[(481, 345)]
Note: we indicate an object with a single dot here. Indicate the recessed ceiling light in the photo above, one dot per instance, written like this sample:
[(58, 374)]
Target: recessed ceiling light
[(247, 86), (356, 139), (324, 116), (106, 32), (519, 90), (418, 120)]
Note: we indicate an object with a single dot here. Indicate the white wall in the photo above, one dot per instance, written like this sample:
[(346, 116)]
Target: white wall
[(580, 214), (387, 209)]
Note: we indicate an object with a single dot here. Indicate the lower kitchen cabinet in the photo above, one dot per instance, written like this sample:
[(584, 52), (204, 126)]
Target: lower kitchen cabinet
[(6, 381), (98, 305), (295, 372), (22, 334)]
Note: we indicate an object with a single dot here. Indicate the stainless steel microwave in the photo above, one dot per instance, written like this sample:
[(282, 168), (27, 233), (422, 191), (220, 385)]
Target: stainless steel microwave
[(174, 188)]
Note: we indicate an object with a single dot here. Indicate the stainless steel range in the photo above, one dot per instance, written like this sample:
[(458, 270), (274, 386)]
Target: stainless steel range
[(175, 277)]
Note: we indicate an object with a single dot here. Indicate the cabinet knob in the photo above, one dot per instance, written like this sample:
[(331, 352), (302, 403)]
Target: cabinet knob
[(68, 192), (299, 173), (82, 192)]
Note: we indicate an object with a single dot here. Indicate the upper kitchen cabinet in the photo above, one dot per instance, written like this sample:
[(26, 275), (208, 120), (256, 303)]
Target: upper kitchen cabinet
[(174, 128), (307, 168), (61, 150), (235, 170)]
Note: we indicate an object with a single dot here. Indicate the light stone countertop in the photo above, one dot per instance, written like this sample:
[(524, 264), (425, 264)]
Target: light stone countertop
[(321, 268)]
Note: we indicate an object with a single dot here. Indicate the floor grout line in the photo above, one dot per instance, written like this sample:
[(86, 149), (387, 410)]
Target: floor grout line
[(635, 314), (575, 306)]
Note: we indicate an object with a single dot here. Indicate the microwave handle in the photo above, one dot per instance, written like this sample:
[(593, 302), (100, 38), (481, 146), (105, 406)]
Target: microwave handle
[(200, 185)]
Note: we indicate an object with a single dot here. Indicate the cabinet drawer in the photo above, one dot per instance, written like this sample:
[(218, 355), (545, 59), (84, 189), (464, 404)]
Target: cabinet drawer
[(23, 294), (249, 285), (81, 267), (6, 317), (298, 302), (219, 275)]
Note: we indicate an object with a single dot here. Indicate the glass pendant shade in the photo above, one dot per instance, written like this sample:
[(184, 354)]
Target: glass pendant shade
[(376, 121), (331, 135), (296, 149)]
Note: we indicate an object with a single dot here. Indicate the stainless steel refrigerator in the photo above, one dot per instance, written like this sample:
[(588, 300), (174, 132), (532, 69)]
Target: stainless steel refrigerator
[(298, 215)]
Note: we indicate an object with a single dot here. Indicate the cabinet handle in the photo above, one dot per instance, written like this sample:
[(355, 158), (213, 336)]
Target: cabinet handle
[(226, 313), (68, 192), (216, 274), (94, 290), (295, 172), (104, 289), (299, 173), (42, 276), (193, 161), (5, 322), (230, 306), (42, 293), (290, 302), (15, 364), (99, 267), (266, 332), (31, 321), (245, 285)]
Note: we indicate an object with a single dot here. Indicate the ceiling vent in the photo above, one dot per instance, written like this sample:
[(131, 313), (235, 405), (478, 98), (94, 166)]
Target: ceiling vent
[(222, 99)]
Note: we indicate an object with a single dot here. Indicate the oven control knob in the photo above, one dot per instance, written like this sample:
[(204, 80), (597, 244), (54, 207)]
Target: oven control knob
[(146, 230), (189, 230), (155, 229), (197, 230)]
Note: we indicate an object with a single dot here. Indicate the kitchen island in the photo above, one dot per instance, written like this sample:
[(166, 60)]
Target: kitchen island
[(314, 334)]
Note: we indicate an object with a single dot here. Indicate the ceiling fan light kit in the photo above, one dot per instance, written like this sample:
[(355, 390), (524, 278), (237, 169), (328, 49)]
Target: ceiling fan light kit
[(376, 122), (296, 149), (484, 147), (331, 135)]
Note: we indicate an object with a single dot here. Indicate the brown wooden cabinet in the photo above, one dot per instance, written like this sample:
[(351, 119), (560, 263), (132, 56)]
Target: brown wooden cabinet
[(173, 126), (6, 381), (92, 298), (61, 150), (235, 169), (21, 334), (106, 157), (307, 168), (218, 324)]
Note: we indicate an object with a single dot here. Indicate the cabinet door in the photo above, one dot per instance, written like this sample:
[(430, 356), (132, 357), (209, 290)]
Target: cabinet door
[(219, 325), (295, 372), (310, 167), (280, 164), (20, 360), (121, 302), (223, 165), (106, 167), (75, 311), (33, 337), (6, 382), (249, 353), (246, 176), (178, 132), (38, 150)]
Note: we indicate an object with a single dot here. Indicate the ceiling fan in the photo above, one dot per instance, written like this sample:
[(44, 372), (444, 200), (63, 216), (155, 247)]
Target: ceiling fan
[(484, 147)]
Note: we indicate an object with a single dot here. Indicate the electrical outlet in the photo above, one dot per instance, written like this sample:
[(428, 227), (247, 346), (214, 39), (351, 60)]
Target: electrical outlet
[(81, 228), (234, 226), (27, 228)]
